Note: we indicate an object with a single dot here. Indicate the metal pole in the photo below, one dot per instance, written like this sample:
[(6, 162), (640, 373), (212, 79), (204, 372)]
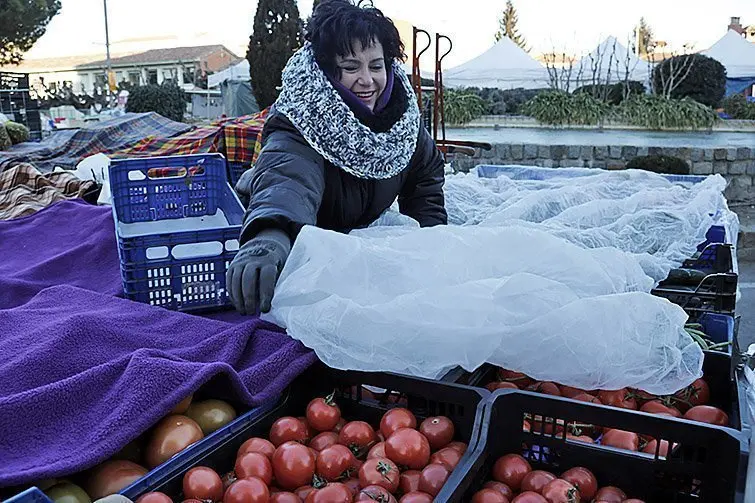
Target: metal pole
[(107, 50)]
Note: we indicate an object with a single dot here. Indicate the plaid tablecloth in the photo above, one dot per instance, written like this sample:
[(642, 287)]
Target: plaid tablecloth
[(25, 190), (200, 140), (242, 137)]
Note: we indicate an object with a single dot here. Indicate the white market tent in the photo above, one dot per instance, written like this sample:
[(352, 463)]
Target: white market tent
[(738, 56), (503, 66), (239, 71), (609, 63)]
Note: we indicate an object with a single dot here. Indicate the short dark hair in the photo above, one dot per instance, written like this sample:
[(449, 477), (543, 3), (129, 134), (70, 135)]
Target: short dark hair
[(335, 24)]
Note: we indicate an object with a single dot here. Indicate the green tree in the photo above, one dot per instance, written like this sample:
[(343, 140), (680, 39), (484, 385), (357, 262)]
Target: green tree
[(507, 26), (277, 34), (22, 22), (643, 37)]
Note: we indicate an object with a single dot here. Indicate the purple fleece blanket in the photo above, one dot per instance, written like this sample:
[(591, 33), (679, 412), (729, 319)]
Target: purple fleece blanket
[(83, 374)]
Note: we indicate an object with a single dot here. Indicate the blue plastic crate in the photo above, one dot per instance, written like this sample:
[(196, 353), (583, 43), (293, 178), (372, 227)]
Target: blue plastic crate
[(716, 234), (31, 495), (178, 222), (719, 327), (235, 170)]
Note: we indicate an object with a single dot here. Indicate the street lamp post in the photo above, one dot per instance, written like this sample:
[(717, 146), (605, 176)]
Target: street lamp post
[(107, 51)]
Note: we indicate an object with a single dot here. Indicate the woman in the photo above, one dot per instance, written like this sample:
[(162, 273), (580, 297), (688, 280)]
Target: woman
[(341, 143)]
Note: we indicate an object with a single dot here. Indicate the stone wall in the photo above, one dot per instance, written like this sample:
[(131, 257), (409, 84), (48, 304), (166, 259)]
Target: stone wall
[(737, 165)]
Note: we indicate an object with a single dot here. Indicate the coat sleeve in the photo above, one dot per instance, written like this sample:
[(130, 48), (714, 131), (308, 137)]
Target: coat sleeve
[(421, 197), (284, 190)]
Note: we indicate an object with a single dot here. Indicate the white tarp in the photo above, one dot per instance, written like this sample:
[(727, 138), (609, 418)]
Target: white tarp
[(610, 63), (503, 66), (736, 54), (548, 277)]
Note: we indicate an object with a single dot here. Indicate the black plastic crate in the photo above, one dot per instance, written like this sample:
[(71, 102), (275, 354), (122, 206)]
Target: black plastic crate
[(714, 258), (718, 372), (423, 397), (705, 464), (716, 293)]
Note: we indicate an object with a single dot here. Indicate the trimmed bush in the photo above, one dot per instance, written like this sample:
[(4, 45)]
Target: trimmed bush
[(462, 107), (18, 133), (664, 164), (168, 100), (705, 82)]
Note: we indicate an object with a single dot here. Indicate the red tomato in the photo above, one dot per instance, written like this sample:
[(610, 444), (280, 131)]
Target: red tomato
[(112, 476), (323, 440), (620, 439), (526, 426), (323, 414), (610, 494), (529, 497), (251, 490), (396, 419), (697, 393), (377, 451), (409, 481), (379, 472), (448, 457), (707, 414), (652, 446), (547, 388), (408, 447), (303, 491), (357, 436), (584, 480), (171, 435), (501, 385), (500, 487), (438, 430), (517, 378), (585, 397), (254, 464), (375, 493), (580, 438), (284, 497), (570, 392), (288, 429), (257, 445), (332, 493), (416, 497), (561, 491), (333, 462), (432, 479), (154, 497), (308, 428), (622, 398), (657, 406), (202, 483), (511, 469), (459, 446), (293, 465), (489, 496), (536, 480)]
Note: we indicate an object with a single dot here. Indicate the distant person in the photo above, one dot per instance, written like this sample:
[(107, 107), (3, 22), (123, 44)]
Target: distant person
[(341, 143)]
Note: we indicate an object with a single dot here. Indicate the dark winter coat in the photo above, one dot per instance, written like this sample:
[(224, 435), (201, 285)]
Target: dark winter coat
[(321, 165)]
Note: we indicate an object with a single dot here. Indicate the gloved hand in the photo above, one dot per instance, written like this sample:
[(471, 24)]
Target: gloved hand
[(252, 275)]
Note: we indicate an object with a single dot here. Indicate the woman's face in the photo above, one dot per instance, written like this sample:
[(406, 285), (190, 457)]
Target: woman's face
[(364, 72)]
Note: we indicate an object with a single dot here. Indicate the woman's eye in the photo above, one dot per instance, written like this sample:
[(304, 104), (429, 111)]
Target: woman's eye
[(376, 68), (349, 69)]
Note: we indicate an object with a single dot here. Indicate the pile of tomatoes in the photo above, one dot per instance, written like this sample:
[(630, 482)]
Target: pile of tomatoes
[(689, 403), (321, 458), (514, 481), (187, 423)]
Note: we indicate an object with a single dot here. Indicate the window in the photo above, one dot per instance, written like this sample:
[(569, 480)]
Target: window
[(189, 74), (134, 78), (152, 76), (100, 80)]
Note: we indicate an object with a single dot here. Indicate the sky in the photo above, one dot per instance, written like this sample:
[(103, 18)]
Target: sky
[(574, 26)]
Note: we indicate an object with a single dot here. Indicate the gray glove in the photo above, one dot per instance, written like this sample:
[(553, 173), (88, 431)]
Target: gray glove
[(252, 275)]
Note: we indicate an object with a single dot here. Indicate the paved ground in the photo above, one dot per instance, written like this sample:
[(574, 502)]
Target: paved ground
[(746, 304)]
